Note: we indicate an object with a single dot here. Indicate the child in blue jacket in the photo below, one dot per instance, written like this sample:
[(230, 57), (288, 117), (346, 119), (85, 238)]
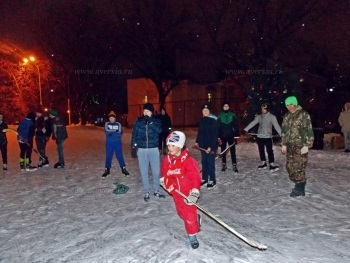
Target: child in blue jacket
[(114, 132)]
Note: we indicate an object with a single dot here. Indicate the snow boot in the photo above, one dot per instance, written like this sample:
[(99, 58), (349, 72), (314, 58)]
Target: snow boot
[(124, 171), (106, 173), (298, 190), (159, 194), (193, 241), (224, 167), (234, 167), (31, 168), (211, 184), (58, 165), (274, 167), (4, 167), (22, 166), (262, 166), (45, 162), (146, 197), (203, 182)]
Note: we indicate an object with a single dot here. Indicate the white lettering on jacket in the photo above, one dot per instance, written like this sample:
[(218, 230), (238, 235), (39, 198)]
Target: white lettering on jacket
[(175, 171)]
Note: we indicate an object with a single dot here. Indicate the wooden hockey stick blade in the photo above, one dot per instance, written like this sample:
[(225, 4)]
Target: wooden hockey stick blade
[(250, 242)]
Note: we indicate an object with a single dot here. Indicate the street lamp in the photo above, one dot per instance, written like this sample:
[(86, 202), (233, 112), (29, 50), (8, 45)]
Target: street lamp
[(32, 59)]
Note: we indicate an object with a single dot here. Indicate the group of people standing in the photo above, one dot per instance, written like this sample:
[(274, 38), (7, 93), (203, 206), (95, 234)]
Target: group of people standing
[(180, 175), (39, 127)]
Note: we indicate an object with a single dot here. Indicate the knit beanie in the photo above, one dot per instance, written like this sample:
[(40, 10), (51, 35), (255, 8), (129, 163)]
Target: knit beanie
[(112, 114), (206, 106), (291, 100), (53, 112), (148, 106), (176, 138)]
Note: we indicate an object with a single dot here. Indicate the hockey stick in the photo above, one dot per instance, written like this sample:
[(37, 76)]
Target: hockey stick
[(204, 150), (23, 140), (224, 151), (259, 134), (250, 242)]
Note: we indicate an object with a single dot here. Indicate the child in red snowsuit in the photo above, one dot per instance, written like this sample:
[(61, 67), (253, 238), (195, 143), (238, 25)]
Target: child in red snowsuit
[(180, 172)]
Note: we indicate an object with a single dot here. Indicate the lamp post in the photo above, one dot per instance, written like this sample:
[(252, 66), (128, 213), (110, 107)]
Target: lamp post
[(32, 59)]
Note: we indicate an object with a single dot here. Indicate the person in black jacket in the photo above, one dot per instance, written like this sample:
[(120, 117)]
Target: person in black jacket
[(207, 140), (59, 134), (42, 135), (144, 144), (228, 134), (166, 127), (3, 142)]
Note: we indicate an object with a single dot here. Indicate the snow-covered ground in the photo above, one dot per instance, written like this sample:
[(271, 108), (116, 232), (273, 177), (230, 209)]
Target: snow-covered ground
[(71, 214)]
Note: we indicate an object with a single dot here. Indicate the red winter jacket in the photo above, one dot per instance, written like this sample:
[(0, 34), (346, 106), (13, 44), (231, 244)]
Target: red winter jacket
[(181, 171)]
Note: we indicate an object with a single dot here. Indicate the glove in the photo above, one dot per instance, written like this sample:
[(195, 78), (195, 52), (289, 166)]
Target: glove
[(304, 150), (192, 198), (238, 139), (284, 149), (134, 151), (161, 182), (219, 141)]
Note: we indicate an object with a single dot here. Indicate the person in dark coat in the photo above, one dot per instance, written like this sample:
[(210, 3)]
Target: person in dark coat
[(59, 134), (3, 142), (42, 135), (144, 141), (207, 140), (114, 132), (166, 127), (228, 134), (26, 130)]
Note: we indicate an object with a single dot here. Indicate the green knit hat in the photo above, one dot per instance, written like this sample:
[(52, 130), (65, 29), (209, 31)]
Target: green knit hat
[(291, 100)]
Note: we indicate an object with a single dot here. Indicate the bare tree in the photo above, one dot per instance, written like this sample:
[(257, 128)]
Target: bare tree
[(153, 33)]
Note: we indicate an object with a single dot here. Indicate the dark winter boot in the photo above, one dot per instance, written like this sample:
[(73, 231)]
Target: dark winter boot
[(234, 167), (193, 241), (22, 166), (124, 171), (106, 173), (58, 165), (262, 166), (224, 167), (298, 190)]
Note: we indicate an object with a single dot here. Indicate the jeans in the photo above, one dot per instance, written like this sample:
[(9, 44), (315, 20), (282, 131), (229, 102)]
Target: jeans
[(208, 167), (60, 144), (41, 145), (146, 157)]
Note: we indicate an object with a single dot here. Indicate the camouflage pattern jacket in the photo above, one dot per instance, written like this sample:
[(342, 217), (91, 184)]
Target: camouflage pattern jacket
[(297, 129)]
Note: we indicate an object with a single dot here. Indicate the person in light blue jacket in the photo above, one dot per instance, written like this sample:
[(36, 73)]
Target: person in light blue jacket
[(114, 132), (266, 121)]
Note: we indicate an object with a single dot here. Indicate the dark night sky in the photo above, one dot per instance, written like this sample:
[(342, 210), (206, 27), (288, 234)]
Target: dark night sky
[(17, 27)]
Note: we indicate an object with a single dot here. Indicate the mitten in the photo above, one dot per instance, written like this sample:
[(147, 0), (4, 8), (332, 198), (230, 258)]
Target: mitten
[(304, 150), (192, 198)]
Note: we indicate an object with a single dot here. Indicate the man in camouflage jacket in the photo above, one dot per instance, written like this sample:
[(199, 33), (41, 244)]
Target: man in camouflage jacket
[(297, 138)]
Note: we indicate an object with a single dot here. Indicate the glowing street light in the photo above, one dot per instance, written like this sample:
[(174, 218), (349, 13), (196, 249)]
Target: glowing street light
[(32, 59)]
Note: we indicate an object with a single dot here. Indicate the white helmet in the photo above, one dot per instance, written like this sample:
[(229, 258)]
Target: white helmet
[(176, 138)]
